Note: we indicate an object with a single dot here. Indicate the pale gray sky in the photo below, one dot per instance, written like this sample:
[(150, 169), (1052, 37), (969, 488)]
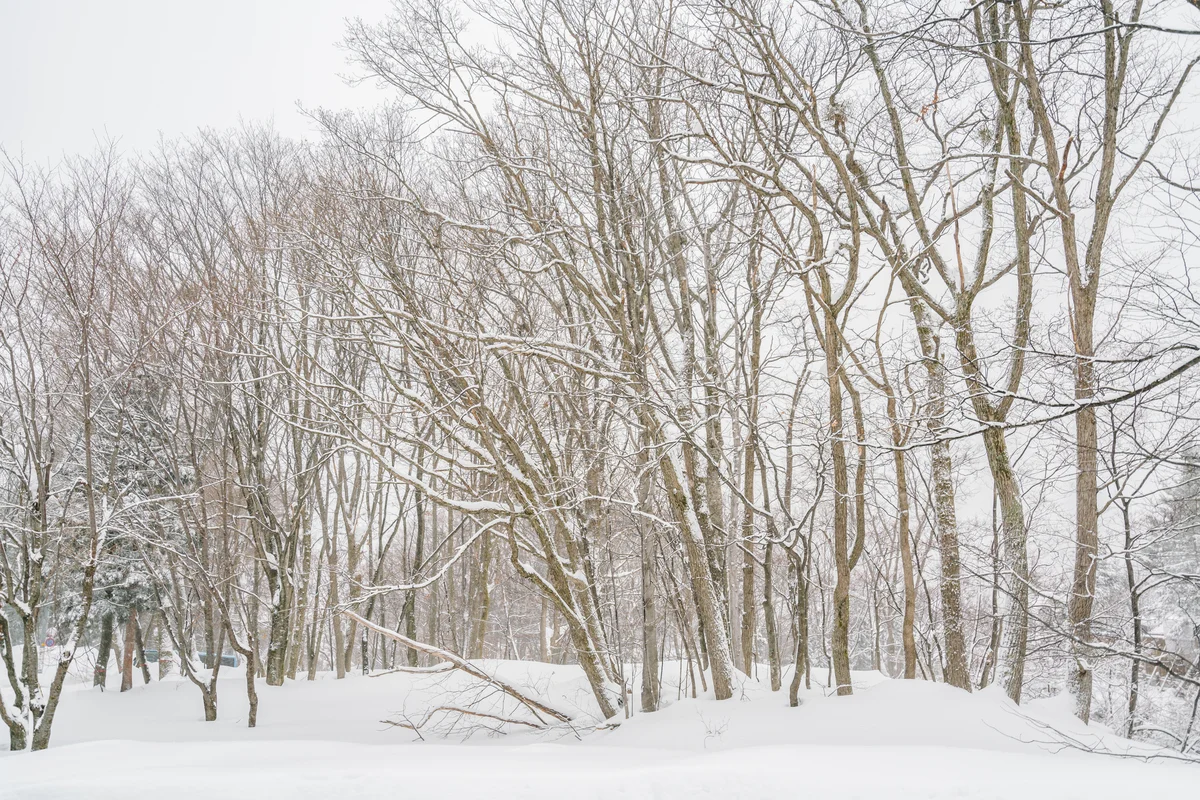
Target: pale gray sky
[(75, 70)]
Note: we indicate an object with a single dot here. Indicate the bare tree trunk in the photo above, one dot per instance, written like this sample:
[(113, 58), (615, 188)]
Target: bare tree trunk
[(482, 600), (708, 607), (410, 598), (296, 639), (141, 649), (127, 655), (651, 685), (1135, 665), (958, 671), (1014, 596), (801, 631), (280, 629), (339, 639), (545, 632), (749, 592), (770, 622), (840, 640), (906, 563), (102, 651), (1083, 583)]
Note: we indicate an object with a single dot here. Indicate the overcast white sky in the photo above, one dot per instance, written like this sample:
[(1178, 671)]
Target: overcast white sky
[(75, 70)]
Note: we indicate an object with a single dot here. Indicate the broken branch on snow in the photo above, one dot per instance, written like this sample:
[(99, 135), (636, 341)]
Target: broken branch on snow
[(535, 707)]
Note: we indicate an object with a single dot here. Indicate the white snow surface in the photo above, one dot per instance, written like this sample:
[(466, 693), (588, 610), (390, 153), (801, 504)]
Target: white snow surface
[(328, 739)]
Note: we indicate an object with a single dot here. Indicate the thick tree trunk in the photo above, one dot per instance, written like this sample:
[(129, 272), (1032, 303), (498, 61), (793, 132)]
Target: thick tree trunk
[(651, 686), (1014, 594), (339, 637), (141, 650), (106, 636), (800, 631), (957, 670), (749, 592), (906, 564), (300, 613), (251, 691), (840, 638), (18, 738), (209, 697), (1083, 584), (410, 598), (483, 599), (770, 623), (279, 633), (19, 674), (127, 655), (708, 604), (165, 653), (545, 634), (710, 614)]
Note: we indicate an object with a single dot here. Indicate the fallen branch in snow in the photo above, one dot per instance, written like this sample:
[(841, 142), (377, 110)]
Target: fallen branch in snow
[(415, 670), (406, 724), (416, 726), (466, 666), (1062, 740)]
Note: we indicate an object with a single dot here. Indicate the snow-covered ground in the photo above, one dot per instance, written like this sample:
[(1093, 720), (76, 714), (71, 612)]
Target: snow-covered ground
[(330, 739)]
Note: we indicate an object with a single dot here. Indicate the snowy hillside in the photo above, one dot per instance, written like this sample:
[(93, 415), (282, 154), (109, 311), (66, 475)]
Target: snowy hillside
[(328, 739)]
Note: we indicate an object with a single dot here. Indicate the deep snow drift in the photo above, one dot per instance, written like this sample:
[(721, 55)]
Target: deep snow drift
[(328, 738)]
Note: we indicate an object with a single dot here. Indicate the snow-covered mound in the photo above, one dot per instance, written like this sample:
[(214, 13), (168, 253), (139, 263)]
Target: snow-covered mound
[(327, 738)]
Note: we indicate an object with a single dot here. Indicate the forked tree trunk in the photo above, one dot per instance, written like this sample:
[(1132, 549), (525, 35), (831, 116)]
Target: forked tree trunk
[(800, 631)]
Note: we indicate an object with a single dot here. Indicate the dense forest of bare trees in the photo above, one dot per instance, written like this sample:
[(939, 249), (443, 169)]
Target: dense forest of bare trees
[(737, 338)]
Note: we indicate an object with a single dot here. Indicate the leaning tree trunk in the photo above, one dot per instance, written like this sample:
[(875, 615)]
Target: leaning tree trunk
[(708, 604), (958, 671), (1013, 592), (1014, 595), (709, 611)]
